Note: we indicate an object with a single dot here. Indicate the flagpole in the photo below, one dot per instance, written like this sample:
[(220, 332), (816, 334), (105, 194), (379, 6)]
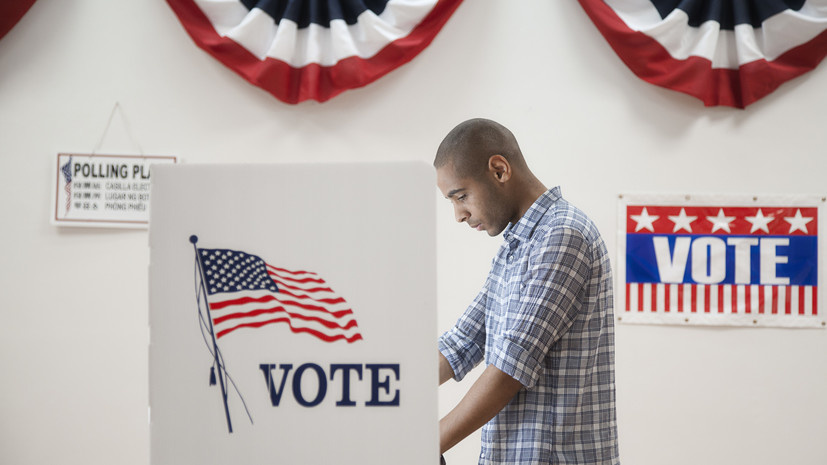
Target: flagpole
[(194, 240)]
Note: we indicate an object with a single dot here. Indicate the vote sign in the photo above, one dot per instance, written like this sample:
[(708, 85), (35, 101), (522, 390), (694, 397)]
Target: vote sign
[(712, 260), (293, 314)]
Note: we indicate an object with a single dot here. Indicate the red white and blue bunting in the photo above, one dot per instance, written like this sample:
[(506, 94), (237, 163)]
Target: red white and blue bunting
[(10, 13), (313, 49), (729, 53)]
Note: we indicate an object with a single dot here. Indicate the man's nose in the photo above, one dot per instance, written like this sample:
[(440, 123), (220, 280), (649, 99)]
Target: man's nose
[(460, 214)]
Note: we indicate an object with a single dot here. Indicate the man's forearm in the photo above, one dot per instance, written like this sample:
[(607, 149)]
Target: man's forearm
[(489, 394), (445, 370)]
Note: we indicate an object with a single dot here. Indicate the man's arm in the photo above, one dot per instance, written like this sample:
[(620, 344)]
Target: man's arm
[(489, 394), (445, 370)]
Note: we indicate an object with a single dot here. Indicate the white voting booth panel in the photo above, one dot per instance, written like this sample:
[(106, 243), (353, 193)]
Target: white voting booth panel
[(304, 332)]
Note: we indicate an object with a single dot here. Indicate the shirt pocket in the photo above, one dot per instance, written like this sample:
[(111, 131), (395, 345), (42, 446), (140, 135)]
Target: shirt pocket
[(518, 280)]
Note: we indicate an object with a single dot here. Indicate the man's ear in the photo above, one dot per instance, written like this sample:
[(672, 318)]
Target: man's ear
[(499, 168)]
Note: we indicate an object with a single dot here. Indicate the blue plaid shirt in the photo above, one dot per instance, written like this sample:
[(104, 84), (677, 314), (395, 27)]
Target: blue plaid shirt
[(544, 317)]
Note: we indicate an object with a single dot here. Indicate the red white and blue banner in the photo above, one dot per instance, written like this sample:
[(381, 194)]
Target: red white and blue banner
[(10, 13), (723, 53), (313, 49), (721, 260)]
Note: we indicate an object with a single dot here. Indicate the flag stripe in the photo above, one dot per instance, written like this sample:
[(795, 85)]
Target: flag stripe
[(282, 283), (295, 280), (295, 329), (288, 272), (281, 309), (722, 299), (336, 311)]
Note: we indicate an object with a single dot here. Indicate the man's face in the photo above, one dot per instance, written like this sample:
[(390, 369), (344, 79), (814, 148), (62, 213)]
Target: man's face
[(476, 201)]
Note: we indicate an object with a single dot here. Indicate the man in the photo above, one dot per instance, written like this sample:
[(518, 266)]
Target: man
[(543, 322)]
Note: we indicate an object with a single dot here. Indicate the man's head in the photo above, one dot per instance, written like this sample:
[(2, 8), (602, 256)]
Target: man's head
[(481, 170)]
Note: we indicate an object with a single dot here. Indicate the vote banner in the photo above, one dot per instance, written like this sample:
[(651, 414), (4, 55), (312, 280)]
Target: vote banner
[(109, 191), (293, 314), (721, 260)]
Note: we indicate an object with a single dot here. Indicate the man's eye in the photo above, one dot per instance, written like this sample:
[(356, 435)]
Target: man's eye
[(461, 197)]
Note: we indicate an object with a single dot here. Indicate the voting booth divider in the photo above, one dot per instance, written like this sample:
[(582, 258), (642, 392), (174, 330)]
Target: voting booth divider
[(293, 314)]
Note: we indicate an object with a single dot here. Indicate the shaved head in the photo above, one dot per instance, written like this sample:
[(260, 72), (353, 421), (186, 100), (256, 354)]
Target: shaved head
[(468, 147)]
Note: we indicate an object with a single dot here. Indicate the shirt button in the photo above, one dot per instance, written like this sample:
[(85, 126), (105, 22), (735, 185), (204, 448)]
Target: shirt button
[(510, 258)]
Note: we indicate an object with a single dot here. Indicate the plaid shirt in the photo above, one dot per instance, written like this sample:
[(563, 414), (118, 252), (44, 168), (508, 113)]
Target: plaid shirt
[(545, 317)]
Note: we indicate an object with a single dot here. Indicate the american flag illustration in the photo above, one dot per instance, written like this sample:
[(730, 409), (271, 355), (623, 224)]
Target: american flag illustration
[(67, 177), (243, 291), (721, 260)]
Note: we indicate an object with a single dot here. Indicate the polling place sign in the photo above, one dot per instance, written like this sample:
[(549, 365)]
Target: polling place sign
[(110, 191), (721, 260), (293, 314)]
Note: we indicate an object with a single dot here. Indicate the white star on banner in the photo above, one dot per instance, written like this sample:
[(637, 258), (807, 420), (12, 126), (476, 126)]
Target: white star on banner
[(721, 221), (682, 221), (759, 221), (645, 220), (798, 222)]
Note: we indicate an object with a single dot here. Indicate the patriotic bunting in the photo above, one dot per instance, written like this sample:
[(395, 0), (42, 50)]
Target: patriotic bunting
[(301, 50), (10, 13), (723, 53), (752, 262)]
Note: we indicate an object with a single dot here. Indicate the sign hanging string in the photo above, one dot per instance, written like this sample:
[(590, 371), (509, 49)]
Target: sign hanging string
[(117, 109)]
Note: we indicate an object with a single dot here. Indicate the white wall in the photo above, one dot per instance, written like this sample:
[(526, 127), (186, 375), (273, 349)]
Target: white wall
[(73, 354)]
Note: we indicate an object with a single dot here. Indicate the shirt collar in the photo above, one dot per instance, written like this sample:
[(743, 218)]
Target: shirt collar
[(522, 229)]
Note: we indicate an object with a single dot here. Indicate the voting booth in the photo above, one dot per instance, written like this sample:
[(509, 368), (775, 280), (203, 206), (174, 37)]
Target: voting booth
[(293, 314)]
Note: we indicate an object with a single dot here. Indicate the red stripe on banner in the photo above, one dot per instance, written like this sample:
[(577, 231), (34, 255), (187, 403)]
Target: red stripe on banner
[(733, 298), (696, 290), (788, 300), (747, 299), (311, 82), (650, 61), (815, 300), (628, 297), (680, 298), (318, 334), (720, 298), (801, 300), (666, 301), (774, 302), (777, 225), (707, 298), (10, 13), (654, 289), (761, 300)]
